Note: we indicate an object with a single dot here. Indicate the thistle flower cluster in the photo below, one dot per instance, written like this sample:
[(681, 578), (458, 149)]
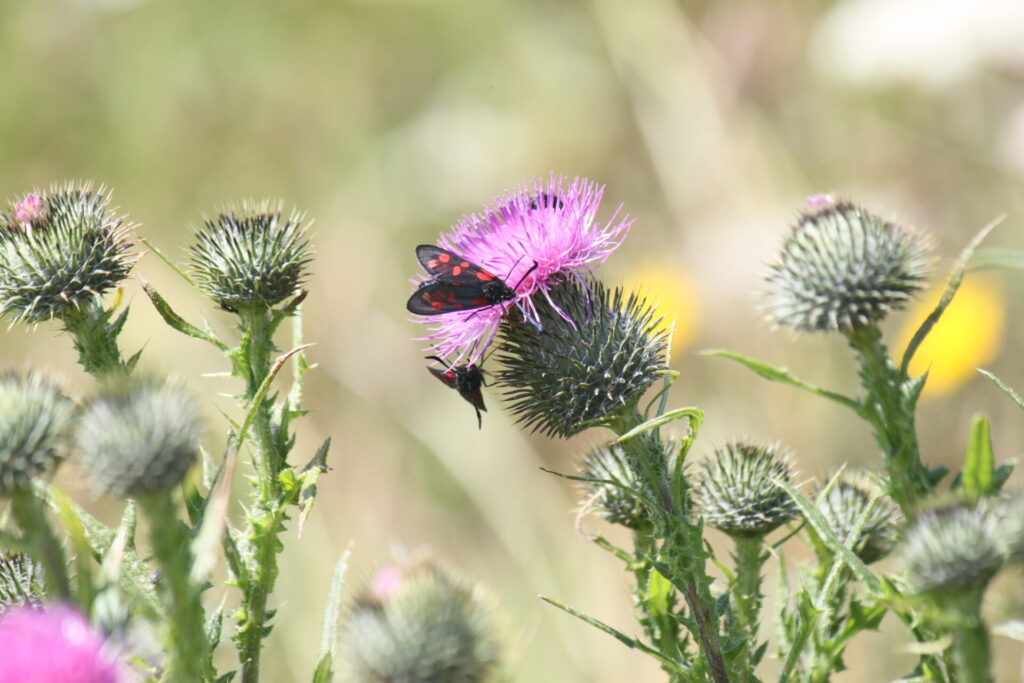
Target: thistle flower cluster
[(251, 256), (845, 505), (59, 250), (842, 268), (417, 622), (35, 429), (736, 491), (534, 237), (139, 436), (590, 358)]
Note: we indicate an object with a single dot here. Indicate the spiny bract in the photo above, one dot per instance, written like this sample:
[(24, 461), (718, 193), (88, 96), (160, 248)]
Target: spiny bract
[(846, 503), (842, 268), (563, 372), (35, 426), (58, 250), (736, 492), (953, 549)]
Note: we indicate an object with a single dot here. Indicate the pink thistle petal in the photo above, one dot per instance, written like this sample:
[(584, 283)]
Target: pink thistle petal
[(29, 209), (553, 225), (53, 645)]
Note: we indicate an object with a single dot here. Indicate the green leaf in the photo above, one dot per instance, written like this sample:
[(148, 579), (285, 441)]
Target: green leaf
[(632, 643), (207, 541), (1005, 387), (978, 478), (308, 479), (955, 278), (75, 530), (996, 257), (659, 592), (694, 415), (176, 321), (329, 636), (784, 376), (821, 528)]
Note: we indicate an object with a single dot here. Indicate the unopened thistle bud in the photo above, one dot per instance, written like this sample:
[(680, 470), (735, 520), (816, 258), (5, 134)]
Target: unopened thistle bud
[(736, 491), (36, 421), (589, 359), (21, 581), (842, 268), (418, 623), (614, 497), (251, 257), (845, 504), (139, 436), (59, 250), (952, 549)]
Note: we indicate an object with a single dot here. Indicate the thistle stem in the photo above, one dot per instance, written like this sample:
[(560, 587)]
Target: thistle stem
[(185, 637), (746, 600), (95, 338), (971, 653), (890, 411), (42, 541)]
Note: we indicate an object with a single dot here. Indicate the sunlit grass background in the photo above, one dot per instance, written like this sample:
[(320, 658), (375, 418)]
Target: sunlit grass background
[(386, 120)]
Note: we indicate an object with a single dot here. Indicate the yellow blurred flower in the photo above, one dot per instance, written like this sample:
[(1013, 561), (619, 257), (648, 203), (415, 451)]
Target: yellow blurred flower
[(673, 293), (968, 335)]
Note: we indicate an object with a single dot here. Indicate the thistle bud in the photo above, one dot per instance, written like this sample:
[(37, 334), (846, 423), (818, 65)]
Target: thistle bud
[(139, 436), (952, 549), (736, 492), (35, 425), (846, 502), (417, 622), (589, 356), (59, 250), (614, 497), (251, 257), (842, 268)]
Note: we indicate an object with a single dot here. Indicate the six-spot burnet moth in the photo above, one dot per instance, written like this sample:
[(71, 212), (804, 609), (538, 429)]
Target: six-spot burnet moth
[(465, 379)]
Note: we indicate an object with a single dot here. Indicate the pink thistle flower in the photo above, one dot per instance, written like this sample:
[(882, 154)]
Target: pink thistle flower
[(531, 238), (29, 209), (53, 645)]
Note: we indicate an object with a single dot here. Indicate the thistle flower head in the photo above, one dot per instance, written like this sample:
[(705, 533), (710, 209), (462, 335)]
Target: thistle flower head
[(952, 549), (736, 491), (1008, 516), (592, 355), (417, 622), (614, 497), (60, 249), (35, 426), (843, 268), (251, 257), (849, 499), (54, 645), (531, 238), (138, 436), (21, 581)]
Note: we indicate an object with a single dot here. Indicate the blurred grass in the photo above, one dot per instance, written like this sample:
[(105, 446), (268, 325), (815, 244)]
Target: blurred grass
[(386, 120)]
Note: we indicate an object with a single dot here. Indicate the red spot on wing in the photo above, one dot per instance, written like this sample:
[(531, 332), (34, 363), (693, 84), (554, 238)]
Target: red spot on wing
[(445, 258), (479, 301), (456, 271), (436, 305), (484, 275)]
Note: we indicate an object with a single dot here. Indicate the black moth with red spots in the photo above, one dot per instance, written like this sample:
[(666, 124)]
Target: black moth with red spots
[(457, 284), (465, 379)]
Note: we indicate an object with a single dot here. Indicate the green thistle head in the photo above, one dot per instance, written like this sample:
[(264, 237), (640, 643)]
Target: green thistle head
[(735, 490), (36, 422), (842, 268), (138, 436), (953, 549), (251, 257), (614, 498), (21, 581), (1008, 516), (60, 249), (417, 623), (590, 360), (847, 501)]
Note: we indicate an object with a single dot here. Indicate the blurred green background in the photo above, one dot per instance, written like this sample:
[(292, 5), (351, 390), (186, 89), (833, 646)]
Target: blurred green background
[(711, 121)]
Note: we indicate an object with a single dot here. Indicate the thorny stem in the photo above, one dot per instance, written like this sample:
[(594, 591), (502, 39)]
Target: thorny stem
[(95, 338), (185, 638), (890, 410), (746, 599), (31, 517)]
